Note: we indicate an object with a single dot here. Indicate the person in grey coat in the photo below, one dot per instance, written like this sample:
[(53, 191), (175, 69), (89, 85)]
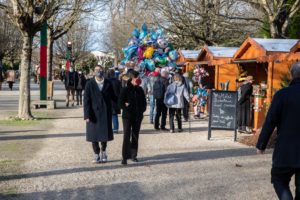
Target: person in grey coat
[(98, 97), (181, 93)]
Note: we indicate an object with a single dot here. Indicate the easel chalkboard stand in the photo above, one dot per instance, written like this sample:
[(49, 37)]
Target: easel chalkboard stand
[(210, 128)]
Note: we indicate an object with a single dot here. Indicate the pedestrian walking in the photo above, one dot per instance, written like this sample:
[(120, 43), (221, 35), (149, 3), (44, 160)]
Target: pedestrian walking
[(189, 86), (152, 78), (98, 95), (159, 90), (80, 87), (71, 81), (283, 114), (1, 75), (174, 100), (116, 84), (244, 106), (132, 101), (11, 78)]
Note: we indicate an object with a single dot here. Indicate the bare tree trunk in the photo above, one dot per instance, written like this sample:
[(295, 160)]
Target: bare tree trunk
[(24, 91), (274, 30), (50, 56)]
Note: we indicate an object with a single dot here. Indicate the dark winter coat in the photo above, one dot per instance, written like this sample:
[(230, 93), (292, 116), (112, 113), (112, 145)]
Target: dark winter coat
[(165, 84), (71, 76), (244, 105), (1, 74), (116, 84), (135, 96), (284, 115), (81, 82), (98, 109)]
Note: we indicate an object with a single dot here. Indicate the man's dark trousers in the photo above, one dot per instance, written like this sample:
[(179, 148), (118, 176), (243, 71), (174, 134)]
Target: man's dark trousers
[(281, 178), (161, 110)]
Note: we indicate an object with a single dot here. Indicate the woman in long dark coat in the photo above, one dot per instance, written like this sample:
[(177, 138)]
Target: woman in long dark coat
[(98, 113), (132, 101)]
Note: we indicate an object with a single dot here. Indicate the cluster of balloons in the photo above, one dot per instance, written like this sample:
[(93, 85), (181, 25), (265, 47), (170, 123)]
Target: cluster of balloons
[(148, 49), (199, 74)]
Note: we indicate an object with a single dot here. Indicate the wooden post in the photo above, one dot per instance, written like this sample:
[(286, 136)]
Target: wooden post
[(217, 77), (270, 82)]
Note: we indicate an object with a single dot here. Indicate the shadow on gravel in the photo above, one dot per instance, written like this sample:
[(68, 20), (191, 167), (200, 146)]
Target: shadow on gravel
[(25, 137), (51, 118), (186, 129), (145, 162), (65, 135), (20, 131), (113, 191)]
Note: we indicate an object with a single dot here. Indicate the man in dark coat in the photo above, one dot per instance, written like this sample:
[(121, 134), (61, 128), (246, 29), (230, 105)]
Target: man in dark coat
[(98, 95), (132, 101), (116, 84), (71, 81), (159, 89), (284, 115), (80, 87), (244, 106)]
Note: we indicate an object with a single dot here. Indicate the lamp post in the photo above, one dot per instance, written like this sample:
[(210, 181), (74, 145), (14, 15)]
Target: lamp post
[(69, 56), (43, 61)]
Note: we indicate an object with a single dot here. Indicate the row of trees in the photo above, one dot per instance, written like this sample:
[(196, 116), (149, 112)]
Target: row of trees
[(28, 17), (194, 23)]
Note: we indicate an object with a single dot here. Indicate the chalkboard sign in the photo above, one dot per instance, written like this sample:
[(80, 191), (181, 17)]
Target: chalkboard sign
[(223, 111)]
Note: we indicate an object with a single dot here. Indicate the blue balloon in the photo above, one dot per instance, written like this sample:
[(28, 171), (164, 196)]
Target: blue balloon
[(150, 65), (154, 35), (144, 27), (173, 55), (160, 32), (142, 66), (136, 33), (144, 31), (129, 52)]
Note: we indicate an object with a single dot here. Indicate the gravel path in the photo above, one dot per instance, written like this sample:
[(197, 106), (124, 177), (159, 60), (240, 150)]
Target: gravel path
[(172, 166)]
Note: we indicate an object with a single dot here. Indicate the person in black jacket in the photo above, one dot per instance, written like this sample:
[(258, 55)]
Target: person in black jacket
[(80, 87), (132, 101), (159, 90), (1, 75), (244, 106), (71, 81), (98, 95), (284, 115), (116, 84)]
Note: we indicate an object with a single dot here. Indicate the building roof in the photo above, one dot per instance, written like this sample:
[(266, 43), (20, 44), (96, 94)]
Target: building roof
[(226, 52), (102, 54), (279, 45), (190, 54)]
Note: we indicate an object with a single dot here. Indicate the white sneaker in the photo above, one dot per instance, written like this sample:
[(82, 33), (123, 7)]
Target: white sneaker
[(97, 159), (103, 156)]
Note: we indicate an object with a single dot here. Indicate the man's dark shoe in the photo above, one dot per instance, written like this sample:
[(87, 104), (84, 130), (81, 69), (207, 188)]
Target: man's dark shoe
[(157, 129), (164, 129), (180, 130), (172, 131), (124, 162)]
